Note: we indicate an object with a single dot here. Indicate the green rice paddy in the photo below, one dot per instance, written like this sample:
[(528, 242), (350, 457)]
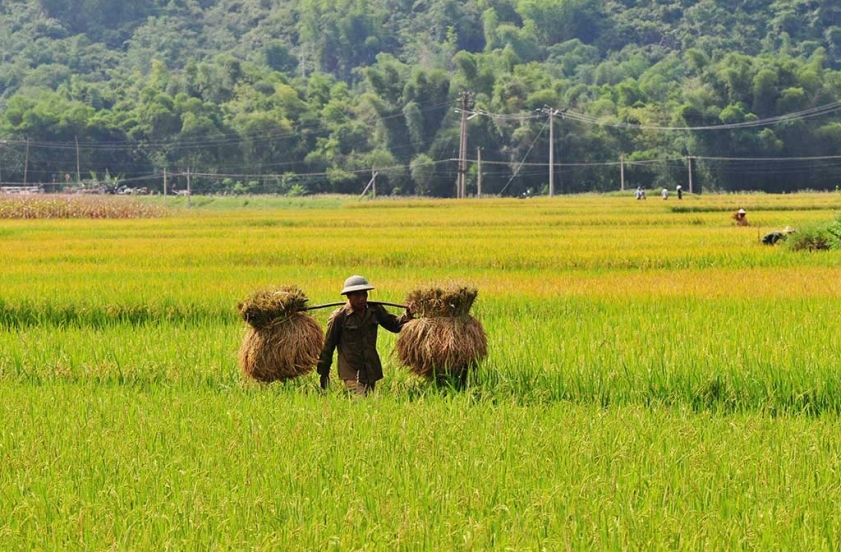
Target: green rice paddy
[(656, 379)]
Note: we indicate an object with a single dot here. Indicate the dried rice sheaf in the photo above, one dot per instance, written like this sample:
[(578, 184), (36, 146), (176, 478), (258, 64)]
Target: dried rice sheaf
[(282, 341), (266, 306), (445, 340), (450, 301)]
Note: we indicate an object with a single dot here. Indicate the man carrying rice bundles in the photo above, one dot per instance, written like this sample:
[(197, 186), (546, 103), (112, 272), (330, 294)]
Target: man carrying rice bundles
[(352, 329)]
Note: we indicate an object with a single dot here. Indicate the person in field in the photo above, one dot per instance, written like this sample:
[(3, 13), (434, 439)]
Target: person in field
[(352, 328), (741, 218), (665, 193), (771, 238)]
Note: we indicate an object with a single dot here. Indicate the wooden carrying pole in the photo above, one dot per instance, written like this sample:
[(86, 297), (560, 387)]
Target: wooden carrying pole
[(328, 305)]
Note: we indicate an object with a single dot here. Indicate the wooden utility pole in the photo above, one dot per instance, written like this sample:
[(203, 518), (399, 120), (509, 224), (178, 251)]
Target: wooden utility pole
[(164, 186), (370, 183), (689, 164), (189, 190), (622, 173), (26, 163), (78, 164), (373, 183), (479, 173), (461, 180)]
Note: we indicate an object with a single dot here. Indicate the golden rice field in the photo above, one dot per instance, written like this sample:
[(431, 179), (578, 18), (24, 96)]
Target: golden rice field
[(656, 379)]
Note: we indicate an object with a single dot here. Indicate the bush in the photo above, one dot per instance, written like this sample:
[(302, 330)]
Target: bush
[(834, 231), (814, 238), (297, 190)]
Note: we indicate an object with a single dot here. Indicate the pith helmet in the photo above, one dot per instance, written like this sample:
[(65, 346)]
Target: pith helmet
[(356, 283)]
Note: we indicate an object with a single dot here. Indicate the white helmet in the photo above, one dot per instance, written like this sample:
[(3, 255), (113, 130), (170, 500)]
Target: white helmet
[(356, 283)]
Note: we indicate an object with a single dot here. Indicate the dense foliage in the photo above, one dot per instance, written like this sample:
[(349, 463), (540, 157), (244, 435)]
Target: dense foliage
[(316, 93)]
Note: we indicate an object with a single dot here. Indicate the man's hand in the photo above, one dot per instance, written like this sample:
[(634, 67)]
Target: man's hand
[(325, 382)]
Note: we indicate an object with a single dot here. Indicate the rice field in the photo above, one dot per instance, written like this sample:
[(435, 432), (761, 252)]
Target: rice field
[(656, 379)]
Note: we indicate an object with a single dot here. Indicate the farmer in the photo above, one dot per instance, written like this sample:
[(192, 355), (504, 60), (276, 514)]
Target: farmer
[(353, 329), (771, 238), (741, 218), (679, 190), (665, 193)]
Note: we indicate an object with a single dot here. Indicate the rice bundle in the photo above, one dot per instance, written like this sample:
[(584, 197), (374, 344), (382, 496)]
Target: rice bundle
[(282, 341), (445, 340), (264, 307)]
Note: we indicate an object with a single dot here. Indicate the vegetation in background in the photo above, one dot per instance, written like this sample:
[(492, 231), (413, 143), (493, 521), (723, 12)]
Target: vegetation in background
[(332, 89), (816, 237)]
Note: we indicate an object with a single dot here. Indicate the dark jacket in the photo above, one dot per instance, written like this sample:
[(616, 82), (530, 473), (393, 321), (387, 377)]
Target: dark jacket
[(355, 335)]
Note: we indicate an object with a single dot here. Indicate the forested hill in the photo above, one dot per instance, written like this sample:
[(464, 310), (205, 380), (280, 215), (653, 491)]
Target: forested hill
[(305, 96)]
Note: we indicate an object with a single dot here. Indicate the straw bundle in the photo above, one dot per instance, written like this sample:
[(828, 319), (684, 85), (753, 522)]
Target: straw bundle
[(264, 307), (435, 302), (283, 342), (445, 340)]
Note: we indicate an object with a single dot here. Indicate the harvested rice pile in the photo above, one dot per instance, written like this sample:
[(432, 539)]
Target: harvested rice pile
[(282, 341), (50, 206), (445, 340)]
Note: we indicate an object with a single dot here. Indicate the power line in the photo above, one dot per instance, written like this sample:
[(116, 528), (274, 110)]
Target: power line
[(584, 118), (311, 174), (513, 176)]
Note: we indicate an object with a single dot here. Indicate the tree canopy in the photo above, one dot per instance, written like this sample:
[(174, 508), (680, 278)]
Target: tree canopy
[(298, 96)]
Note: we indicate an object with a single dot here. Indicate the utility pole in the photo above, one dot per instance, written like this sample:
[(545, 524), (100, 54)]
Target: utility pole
[(479, 173), (551, 113), (622, 173), (370, 183), (164, 186), (373, 183), (189, 191), (461, 185), (689, 164), (78, 165), (551, 153), (26, 163)]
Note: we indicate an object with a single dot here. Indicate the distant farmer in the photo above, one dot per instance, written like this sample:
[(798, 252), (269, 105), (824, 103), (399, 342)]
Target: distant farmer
[(352, 329), (741, 218), (665, 193), (679, 191), (771, 238)]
